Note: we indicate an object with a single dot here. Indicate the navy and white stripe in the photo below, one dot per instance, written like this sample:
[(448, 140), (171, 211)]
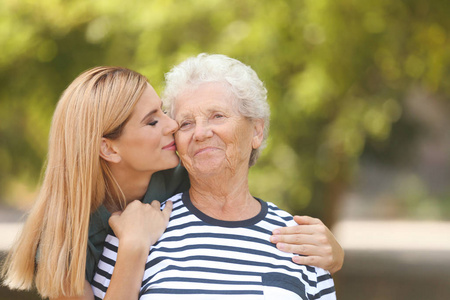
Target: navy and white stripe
[(199, 257)]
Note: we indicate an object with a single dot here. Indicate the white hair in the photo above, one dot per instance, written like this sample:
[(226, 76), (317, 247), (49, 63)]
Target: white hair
[(240, 79)]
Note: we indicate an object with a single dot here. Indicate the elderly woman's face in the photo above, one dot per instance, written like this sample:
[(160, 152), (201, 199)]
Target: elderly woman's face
[(213, 136)]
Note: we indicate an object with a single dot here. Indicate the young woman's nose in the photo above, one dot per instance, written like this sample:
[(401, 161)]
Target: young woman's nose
[(171, 126)]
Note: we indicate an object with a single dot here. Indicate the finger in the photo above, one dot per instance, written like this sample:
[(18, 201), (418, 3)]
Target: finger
[(116, 214), (167, 210), (114, 217), (297, 239), (314, 261), (156, 204), (297, 229), (305, 249), (134, 203), (306, 220)]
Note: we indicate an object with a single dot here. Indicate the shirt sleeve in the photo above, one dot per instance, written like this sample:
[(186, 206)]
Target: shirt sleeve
[(90, 261), (325, 286), (98, 230), (105, 267)]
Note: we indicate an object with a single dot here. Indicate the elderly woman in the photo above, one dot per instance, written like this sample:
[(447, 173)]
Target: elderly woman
[(217, 244)]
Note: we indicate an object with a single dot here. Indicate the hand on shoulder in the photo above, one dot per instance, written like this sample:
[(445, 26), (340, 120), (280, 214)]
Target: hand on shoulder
[(313, 241), (140, 223)]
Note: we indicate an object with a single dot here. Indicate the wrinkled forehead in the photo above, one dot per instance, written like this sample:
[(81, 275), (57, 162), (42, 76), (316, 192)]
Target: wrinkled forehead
[(206, 96)]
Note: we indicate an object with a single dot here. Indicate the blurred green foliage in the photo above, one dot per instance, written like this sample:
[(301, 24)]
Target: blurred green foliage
[(337, 73)]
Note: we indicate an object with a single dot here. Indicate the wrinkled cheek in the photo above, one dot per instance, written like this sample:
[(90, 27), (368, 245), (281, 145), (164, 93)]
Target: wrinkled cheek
[(182, 147), (234, 156), (231, 162), (179, 138), (186, 161)]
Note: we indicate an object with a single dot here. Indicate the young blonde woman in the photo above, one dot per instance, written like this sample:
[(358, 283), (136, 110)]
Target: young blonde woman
[(109, 138)]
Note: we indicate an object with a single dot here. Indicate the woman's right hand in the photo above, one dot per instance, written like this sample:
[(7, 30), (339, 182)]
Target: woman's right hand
[(140, 223), (137, 227)]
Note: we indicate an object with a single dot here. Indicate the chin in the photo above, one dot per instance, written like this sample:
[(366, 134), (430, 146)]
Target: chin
[(174, 162), (209, 169)]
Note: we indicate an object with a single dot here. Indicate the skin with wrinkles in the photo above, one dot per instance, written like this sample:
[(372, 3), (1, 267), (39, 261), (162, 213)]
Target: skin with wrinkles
[(214, 143)]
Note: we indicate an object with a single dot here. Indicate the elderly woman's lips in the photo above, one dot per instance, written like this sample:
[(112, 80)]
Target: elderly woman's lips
[(170, 146), (203, 150)]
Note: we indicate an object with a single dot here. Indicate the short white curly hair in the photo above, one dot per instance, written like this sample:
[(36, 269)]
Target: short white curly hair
[(241, 80)]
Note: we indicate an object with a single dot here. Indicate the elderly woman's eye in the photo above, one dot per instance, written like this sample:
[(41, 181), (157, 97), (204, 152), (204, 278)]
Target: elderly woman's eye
[(184, 124), (218, 116)]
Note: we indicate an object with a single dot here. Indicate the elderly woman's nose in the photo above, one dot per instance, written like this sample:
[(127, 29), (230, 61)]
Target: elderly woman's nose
[(202, 131)]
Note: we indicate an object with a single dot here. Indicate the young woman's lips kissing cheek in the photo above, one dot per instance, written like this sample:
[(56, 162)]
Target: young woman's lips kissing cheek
[(170, 146)]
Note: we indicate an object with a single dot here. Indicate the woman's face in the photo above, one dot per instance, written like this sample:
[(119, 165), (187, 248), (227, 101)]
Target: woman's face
[(147, 143), (213, 137)]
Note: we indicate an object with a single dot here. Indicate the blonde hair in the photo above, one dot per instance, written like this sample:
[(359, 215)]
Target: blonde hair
[(51, 249)]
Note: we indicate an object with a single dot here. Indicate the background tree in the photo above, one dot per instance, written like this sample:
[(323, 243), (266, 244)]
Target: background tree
[(337, 72)]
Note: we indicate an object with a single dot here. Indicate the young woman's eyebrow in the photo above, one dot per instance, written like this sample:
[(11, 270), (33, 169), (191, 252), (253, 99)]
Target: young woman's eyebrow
[(148, 115)]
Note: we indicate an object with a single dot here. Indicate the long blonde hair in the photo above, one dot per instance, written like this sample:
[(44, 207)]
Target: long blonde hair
[(51, 249)]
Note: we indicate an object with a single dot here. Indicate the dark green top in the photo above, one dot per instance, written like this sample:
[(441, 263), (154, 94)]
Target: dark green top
[(163, 185)]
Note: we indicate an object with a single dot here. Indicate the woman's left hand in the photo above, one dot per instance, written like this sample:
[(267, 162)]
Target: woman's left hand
[(312, 239)]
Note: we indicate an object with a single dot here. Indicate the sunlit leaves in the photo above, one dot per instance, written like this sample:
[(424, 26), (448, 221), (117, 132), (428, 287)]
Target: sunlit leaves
[(337, 72)]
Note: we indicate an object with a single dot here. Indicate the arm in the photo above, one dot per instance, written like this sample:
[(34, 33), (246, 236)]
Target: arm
[(138, 227), (312, 239)]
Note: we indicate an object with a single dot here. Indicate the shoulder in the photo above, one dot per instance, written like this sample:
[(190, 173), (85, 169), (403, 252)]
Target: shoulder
[(98, 226), (279, 215), (167, 183), (177, 201), (175, 178), (98, 221), (176, 197), (98, 230)]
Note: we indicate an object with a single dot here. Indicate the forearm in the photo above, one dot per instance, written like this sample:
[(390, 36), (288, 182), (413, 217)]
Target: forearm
[(128, 271), (137, 228)]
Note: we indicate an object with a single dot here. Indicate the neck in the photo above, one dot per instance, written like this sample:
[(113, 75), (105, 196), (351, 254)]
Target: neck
[(133, 187), (226, 199)]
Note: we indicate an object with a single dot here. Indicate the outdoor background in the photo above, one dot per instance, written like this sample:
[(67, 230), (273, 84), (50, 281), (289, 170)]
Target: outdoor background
[(360, 113)]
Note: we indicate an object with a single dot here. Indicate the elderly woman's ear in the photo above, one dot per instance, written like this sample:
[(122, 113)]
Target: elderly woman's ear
[(258, 133)]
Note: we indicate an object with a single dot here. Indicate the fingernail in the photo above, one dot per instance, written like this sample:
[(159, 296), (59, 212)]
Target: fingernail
[(274, 239), (276, 231), (281, 246)]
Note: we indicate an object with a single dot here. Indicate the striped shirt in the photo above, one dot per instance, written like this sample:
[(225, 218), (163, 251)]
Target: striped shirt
[(199, 257)]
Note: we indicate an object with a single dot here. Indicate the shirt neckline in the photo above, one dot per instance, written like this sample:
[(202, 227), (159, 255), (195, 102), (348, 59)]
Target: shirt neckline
[(230, 224)]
